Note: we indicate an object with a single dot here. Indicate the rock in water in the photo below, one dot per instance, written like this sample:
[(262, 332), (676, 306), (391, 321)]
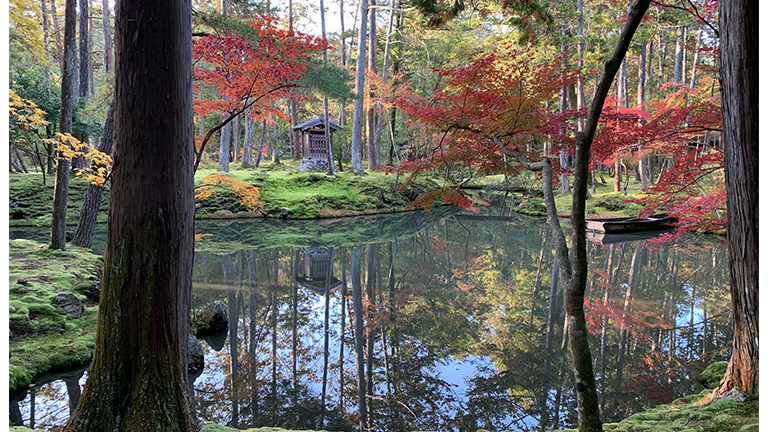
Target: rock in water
[(195, 357), (70, 304), (212, 319)]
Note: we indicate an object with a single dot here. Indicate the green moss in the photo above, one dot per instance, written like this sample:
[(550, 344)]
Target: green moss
[(725, 415), (44, 338), (711, 376), (30, 201)]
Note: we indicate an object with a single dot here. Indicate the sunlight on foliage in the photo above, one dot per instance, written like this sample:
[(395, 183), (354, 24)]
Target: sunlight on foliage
[(249, 194)]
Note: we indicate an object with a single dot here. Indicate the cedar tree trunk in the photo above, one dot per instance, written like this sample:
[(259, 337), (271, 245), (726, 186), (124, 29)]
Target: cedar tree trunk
[(138, 377), (738, 83), (90, 211), (61, 183)]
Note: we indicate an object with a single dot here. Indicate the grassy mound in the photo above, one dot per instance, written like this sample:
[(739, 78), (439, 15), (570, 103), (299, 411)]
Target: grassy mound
[(43, 338), (310, 195), (31, 201)]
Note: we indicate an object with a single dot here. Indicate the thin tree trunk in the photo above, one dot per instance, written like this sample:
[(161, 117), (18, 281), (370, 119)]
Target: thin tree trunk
[(47, 42), (106, 23), (236, 139), (342, 334), (138, 377), (226, 134), (374, 156), (86, 68), (57, 36), (248, 142), (261, 142), (61, 184), (679, 53), (586, 394), (357, 119), (695, 60), (90, 212)]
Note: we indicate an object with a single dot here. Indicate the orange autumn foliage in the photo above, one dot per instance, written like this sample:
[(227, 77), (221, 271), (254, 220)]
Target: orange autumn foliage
[(249, 194)]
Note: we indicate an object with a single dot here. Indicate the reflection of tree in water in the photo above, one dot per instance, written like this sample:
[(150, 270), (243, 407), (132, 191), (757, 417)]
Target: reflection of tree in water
[(658, 315)]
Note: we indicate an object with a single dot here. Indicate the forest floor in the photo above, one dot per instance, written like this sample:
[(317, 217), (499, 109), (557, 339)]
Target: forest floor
[(287, 193)]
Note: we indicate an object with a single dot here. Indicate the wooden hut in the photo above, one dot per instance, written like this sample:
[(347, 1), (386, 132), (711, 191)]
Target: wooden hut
[(314, 148)]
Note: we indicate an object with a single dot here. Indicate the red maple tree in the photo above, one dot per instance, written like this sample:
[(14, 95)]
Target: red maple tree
[(249, 75)]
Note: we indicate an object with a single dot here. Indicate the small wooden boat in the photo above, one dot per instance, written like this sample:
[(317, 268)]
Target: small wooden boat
[(623, 225), (612, 238)]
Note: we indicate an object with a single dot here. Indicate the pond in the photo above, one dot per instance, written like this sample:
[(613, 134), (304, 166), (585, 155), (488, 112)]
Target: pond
[(450, 321)]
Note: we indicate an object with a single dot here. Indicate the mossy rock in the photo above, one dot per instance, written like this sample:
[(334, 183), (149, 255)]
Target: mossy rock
[(711, 376)]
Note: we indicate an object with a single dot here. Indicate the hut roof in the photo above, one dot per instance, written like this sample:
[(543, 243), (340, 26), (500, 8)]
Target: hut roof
[(317, 121)]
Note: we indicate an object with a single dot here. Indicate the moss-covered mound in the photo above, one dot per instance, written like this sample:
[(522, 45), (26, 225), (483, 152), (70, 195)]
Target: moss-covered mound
[(310, 195), (711, 376), (30, 201), (683, 415), (43, 338)]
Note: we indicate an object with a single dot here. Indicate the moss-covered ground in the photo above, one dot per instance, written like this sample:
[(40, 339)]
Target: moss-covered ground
[(309, 195), (43, 338), (30, 200)]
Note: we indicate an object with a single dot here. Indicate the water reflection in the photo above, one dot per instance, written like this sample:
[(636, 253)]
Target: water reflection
[(445, 323)]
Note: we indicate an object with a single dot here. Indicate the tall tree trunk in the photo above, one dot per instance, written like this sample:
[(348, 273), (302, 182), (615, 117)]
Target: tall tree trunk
[(586, 394), (261, 142), (357, 117), (236, 139), (343, 53), (738, 83), (47, 42), (342, 334), (695, 59), (61, 183), (106, 25), (248, 141), (226, 135), (90, 211), (374, 157), (679, 54), (85, 89), (138, 378), (57, 36)]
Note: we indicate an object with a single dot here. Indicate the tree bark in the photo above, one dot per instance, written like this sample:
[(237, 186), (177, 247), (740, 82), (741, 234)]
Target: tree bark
[(374, 158), (236, 139), (738, 83), (85, 88), (90, 211), (106, 26), (57, 35), (138, 377), (226, 135), (248, 141), (61, 183), (357, 116), (679, 53)]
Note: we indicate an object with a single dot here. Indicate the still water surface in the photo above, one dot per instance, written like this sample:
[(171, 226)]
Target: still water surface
[(456, 321)]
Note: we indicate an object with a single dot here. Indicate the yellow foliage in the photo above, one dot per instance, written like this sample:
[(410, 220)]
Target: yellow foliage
[(24, 113), (199, 237), (25, 29), (70, 147), (249, 194)]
